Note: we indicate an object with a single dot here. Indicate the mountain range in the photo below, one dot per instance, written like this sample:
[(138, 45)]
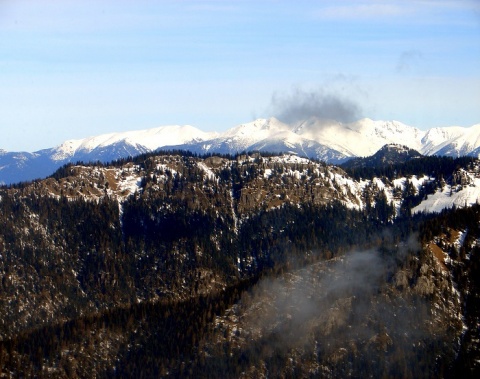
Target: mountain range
[(330, 141)]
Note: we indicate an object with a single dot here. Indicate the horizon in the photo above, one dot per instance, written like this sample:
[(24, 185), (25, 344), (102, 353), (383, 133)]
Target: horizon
[(71, 70)]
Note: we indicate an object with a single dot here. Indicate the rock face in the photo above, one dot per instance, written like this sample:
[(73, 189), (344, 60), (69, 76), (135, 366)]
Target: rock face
[(234, 266)]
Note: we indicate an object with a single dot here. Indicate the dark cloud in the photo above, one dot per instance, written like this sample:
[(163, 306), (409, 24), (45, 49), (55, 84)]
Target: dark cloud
[(326, 105)]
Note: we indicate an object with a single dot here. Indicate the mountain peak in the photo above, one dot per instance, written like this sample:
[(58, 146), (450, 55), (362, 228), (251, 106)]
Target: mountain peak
[(396, 150), (389, 154)]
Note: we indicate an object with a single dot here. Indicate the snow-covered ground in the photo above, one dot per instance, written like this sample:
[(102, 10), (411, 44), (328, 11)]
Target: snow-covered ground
[(448, 198)]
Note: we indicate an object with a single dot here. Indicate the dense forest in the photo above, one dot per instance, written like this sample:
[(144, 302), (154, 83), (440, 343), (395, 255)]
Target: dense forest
[(163, 281)]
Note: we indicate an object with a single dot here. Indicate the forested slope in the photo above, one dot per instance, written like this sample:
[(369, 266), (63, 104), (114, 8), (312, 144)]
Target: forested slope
[(151, 266)]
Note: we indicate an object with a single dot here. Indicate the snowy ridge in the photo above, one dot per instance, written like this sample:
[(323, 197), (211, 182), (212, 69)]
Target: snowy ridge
[(149, 139), (330, 141), (279, 179), (360, 138), (437, 138), (336, 142), (243, 136), (462, 141)]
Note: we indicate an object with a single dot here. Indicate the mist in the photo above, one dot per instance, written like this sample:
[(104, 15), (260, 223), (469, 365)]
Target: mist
[(325, 105), (341, 306), (320, 297)]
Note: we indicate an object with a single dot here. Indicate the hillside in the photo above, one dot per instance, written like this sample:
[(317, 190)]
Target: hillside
[(177, 265)]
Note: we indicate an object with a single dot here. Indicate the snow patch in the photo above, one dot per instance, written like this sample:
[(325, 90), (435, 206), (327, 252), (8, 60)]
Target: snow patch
[(210, 174), (131, 183), (449, 197)]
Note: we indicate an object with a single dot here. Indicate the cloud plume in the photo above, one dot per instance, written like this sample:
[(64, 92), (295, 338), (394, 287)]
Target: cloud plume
[(300, 105)]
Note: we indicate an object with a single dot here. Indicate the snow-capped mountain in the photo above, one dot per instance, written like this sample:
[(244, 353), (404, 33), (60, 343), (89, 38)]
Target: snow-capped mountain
[(331, 141), (22, 166), (269, 135), (360, 138), (336, 142), (452, 141), (131, 142)]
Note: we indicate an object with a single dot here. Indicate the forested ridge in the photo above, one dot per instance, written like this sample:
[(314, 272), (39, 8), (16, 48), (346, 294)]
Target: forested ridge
[(139, 279)]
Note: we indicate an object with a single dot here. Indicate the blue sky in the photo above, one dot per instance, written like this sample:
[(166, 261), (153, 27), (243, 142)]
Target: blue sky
[(72, 69)]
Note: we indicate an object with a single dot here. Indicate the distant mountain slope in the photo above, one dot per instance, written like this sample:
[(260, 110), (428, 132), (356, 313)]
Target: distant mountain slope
[(330, 141)]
